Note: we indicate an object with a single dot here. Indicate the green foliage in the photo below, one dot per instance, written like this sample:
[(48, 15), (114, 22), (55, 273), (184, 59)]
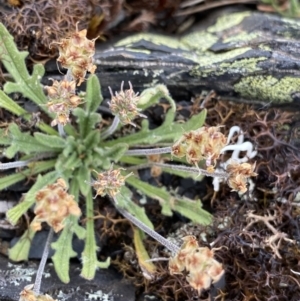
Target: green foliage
[(76, 155)]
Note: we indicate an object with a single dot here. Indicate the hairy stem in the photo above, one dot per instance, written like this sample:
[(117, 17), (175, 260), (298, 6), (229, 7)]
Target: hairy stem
[(169, 245), (39, 274), (16, 164), (149, 151), (192, 170), (61, 130), (112, 128)]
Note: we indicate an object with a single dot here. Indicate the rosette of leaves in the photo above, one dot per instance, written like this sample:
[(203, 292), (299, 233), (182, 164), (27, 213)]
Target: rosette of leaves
[(73, 157)]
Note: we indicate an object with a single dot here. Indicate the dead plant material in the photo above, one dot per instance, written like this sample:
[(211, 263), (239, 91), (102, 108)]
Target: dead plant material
[(189, 7), (36, 24), (142, 21), (154, 5), (274, 241), (275, 133)]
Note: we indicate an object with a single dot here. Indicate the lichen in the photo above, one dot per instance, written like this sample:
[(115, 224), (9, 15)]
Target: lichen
[(268, 88)]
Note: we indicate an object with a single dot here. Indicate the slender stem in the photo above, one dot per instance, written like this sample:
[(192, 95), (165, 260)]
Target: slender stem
[(39, 274), (149, 151), (192, 170), (168, 244), (61, 130), (112, 128), (15, 164)]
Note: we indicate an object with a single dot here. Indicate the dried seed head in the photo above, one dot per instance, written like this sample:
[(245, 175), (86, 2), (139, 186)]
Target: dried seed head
[(76, 54), (124, 105), (28, 294), (205, 143), (239, 174), (62, 99), (202, 268), (199, 281), (53, 206), (109, 182)]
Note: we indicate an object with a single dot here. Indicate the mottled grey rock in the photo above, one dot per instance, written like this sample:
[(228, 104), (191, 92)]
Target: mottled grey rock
[(108, 285)]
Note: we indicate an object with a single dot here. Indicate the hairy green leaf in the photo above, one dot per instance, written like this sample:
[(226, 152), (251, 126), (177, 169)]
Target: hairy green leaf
[(86, 121), (35, 168), (50, 141), (93, 97), (24, 143), (14, 61), (188, 208), (124, 199), (20, 251), (10, 105), (89, 256), (64, 250), (16, 212), (168, 131)]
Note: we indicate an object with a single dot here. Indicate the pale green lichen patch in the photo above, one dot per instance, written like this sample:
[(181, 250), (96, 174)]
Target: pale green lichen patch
[(200, 41), (242, 37), (208, 63), (227, 21), (268, 88), (265, 47), (243, 66), (153, 38)]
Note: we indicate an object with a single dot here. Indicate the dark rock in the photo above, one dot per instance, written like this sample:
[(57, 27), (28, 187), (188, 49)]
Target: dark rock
[(107, 285)]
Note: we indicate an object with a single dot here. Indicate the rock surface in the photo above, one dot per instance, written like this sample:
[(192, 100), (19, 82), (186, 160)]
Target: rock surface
[(108, 285)]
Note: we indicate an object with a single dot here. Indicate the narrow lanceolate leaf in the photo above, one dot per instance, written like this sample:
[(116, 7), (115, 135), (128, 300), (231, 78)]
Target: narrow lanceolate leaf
[(113, 154), (86, 121), (20, 251), (93, 96), (10, 105), (191, 209), (168, 131), (35, 168), (157, 193), (12, 179), (24, 143), (16, 212), (92, 139), (63, 250), (50, 141), (14, 62), (124, 201), (65, 164), (186, 207), (89, 256), (147, 267), (83, 176)]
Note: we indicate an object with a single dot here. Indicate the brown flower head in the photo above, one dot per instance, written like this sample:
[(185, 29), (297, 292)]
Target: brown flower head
[(109, 182), (28, 294), (199, 281), (202, 268), (124, 105), (239, 174), (62, 99), (76, 54), (204, 143), (53, 206)]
